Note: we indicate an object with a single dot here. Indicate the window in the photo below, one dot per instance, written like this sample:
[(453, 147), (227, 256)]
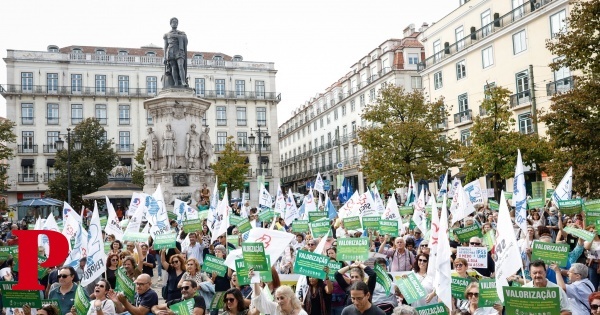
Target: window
[(413, 59), (27, 114), (100, 52), (416, 82), (353, 128), (463, 103), (437, 50), (372, 95), (221, 116), (104, 138), (487, 89), (28, 174), (240, 88), (150, 54), (487, 56), (242, 141), (27, 141), (361, 99), (322, 140), (125, 142), (76, 113), (464, 137), (343, 110), (101, 114), (437, 80), (519, 42), (149, 119), (100, 83), (315, 126), (486, 19), (124, 84), (261, 116), (525, 123), (123, 53), (51, 138), (220, 87), (461, 70), (260, 88), (76, 83), (52, 114), (221, 141), (328, 119), (352, 105), (321, 122), (151, 85), (518, 10), (558, 23), (52, 82), (335, 114), (241, 116), (200, 86), (26, 81), (522, 84), (459, 34), (124, 115)]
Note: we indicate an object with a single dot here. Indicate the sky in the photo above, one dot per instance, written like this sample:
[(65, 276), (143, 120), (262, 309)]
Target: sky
[(312, 43)]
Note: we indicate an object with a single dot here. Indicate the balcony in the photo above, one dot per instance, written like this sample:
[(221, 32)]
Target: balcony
[(482, 111), (476, 36), (443, 124), (219, 147), (75, 121), (243, 148), (267, 172), (519, 99), (125, 147), (50, 148), (27, 120), (463, 117), (49, 176), (560, 86), (124, 121), (28, 178), (249, 173), (27, 149)]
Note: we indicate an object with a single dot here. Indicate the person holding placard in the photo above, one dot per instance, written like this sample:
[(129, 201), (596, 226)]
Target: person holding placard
[(357, 274), (188, 291), (175, 272), (221, 283), (46, 310), (245, 289), (491, 265), (472, 301), (420, 269), (400, 258), (537, 269), (579, 288), (131, 271), (384, 300), (317, 300), (101, 305), (192, 272), (287, 301), (461, 267)]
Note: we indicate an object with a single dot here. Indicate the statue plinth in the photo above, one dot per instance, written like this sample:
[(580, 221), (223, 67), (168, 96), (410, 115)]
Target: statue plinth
[(178, 148)]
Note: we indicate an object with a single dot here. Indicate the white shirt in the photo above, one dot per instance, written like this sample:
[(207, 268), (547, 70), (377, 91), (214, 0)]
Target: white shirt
[(564, 299), (194, 251)]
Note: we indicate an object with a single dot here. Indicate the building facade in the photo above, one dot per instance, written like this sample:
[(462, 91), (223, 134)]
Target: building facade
[(50, 91), (495, 43), (320, 137)]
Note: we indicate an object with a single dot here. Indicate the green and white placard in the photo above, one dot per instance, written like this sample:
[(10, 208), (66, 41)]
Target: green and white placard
[(214, 264), (300, 225), (164, 241), (404, 211), (217, 302), (388, 227), (136, 236), (352, 223), (82, 302), (550, 253), (244, 226), (383, 279), (570, 207), (465, 234), (192, 225), (493, 204), (487, 293), (535, 203), (458, 287), (310, 264), (235, 219), (125, 285), (411, 288), (316, 215), (319, 228), (185, 307), (531, 301), (433, 309), (254, 256), (371, 222), (584, 234), (15, 299), (353, 248)]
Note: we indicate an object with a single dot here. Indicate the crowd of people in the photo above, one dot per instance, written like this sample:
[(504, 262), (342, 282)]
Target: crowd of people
[(353, 289)]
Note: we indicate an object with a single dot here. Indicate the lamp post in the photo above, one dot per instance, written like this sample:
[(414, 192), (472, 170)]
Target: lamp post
[(262, 140), (60, 145)]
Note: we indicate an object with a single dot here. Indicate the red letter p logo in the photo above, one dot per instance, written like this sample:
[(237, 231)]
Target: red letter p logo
[(28, 256)]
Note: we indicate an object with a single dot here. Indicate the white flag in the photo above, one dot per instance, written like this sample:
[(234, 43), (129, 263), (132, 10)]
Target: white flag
[(348, 209), (112, 224), (365, 205), (291, 211), (222, 222), (519, 197), (506, 249), (214, 204), (157, 210), (135, 221), (419, 215), (243, 210), (391, 210), (264, 200), (461, 206), (474, 192), (444, 186), (309, 204), (96, 257), (49, 225), (74, 230), (136, 201), (319, 184), (280, 201), (69, 211), (434, 236), (275, 243), (442, 280), (564, 190), (379, 208)]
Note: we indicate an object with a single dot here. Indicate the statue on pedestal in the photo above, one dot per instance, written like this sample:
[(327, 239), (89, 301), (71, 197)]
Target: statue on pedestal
[(151, 154), (169, 144), (175, 57), (192, 140), (206, 149)]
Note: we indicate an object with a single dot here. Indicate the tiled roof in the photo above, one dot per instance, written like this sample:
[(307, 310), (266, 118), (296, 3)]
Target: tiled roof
[(137, 51)]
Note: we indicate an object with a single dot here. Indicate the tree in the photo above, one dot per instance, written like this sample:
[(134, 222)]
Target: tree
[(231, 167), (494, 143), (403, 137), (6, 137), (573, 120), (90, 166), (137, 175)]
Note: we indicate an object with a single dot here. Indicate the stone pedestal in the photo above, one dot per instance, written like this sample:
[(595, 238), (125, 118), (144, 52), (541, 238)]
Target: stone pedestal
[(176, 156)]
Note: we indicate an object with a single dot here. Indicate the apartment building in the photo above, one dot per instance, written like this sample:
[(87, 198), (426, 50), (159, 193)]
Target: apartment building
[(50, 91), (495, 43), (321, 134)]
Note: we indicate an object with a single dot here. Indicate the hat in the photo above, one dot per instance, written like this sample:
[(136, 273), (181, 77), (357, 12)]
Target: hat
[(553, 209)]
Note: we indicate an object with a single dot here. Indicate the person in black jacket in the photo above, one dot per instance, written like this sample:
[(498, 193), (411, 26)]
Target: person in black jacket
[(357, 274)]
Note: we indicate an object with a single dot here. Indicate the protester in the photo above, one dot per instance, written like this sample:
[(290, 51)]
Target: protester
[(317, 300), (100, 304), (401, 259), (192, 272), (188, 291), (579, 288), (145, 298), (221, 283), (234, 303), (594, 300), (287, 302), (48, 309), (405, 310), (491, 265), (129, 264), (537, 269), (65, 292), (386, 302), (420, 269), (115, 248), (174, 274), (361, 301), (112, 264), (357, 274), (470, 304)]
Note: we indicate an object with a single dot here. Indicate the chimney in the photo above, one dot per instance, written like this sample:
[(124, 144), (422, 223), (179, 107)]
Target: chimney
[(424, 27), (409, 30)]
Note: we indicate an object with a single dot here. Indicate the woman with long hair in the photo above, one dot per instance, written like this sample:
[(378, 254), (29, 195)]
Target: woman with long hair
[(317, 300), (460, 267), (245, 289), (338, 295), (358, 271), (112, 264), (192, 271), (234, 303), (420, 269), (472, 301), (175, 272), (287, 302)]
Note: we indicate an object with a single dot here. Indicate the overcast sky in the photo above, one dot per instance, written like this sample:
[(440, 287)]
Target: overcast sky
[(312, 43)]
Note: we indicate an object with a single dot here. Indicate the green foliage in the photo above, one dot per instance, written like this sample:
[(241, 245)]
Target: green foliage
[(90, 166), (494, 141), (402, 136), (7, 137), (137, 175), (231, 168)]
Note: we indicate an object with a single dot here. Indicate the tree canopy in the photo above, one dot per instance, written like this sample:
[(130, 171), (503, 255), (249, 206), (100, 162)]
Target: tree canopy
[(231, 167), (90, 166), (137, 175), (402, 136), (7, 137)]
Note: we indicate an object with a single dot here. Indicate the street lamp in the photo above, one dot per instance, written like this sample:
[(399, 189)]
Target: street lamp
[(263, 140), (60, 145)]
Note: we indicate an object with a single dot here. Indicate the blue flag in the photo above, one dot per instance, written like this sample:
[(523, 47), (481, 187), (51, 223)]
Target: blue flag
[(346, 191), (331, 212)]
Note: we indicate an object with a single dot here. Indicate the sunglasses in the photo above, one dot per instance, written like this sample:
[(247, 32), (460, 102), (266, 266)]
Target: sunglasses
[(311, 244), (424, 245), (422, 260), (114, 260), (458, 265), (473, 243), (185, 288), (471, 294), (569, 221), (63, 276), (100, 285), (229, 300), (594, 306)]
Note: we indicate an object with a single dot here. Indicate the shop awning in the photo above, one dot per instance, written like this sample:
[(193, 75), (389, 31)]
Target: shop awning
[(27, 162)]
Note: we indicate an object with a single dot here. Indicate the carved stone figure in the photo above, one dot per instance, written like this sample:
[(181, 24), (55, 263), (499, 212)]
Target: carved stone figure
[(192, 141), (175, 57), (151, 154), (169, 143), (206, 149)]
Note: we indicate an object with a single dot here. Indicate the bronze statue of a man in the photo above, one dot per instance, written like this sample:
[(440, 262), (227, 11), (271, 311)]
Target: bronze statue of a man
[(175, 57)]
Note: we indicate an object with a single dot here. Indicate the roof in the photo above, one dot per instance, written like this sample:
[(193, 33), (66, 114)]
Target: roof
[(138, 51)]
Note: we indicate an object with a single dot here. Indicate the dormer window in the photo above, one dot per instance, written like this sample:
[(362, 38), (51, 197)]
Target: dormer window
[(123, 53), (150, 54), (77, 51), (100, 52), (237, 58), (53, 48), (197, 57), (218, 57)]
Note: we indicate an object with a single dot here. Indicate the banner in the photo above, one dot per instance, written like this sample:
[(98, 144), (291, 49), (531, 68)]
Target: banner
[(458, 287), (586, 235), (192, 225), (310, 264), (185, 307), (352, 223), (495, 206), (319, 228), (217, 302), (535, 203), (333, 267), (254, 256), (300, 225), (242, 273), (434, 309), (267, 215), (371, 222), (465, 234), (592, 211), (411, 288), (164, 241), (316, 215), (235, 219), (16, 299), (550, 253), (214, 264), (538, 190), (125, 285), (404, 211), (476, 256), (82, 302), (531, 301), (353, 249), (570, 207), (389, 227), (383, 279), (136, 236), (487, 293)]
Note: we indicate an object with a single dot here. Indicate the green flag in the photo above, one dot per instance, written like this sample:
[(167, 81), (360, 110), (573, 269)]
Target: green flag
[(82, 302), (185, 307), (383, 279), (125, 285)]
